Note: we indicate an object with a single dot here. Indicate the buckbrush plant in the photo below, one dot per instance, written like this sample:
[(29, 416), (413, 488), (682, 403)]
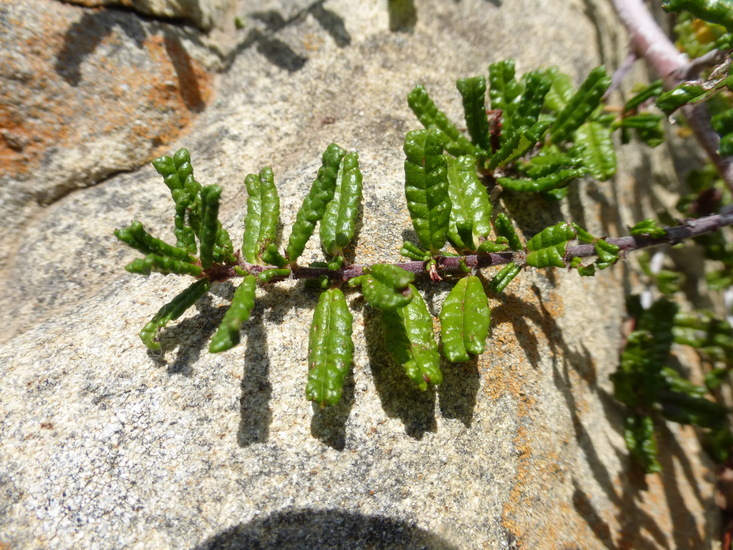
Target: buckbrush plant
[(536, 134)]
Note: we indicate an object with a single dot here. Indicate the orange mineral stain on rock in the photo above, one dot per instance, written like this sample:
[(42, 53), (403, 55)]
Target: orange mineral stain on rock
[(81, 76)]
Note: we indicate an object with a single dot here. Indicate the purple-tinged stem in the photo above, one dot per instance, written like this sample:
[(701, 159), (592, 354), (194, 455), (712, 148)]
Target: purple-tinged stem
[(650, 42)]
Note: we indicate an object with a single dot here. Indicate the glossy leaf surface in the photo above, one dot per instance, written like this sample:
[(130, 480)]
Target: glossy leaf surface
[(263, 215), (385, 287), (518, 144), (470, 214), (560, 92), (426, 187), (548, 247), (339, 220), (557, 180), (464, 320), (504, 92), (596, 148), (473, 92), (209, 223), (536, 86), (505, 276), (504, 228), (408, 335), (138, 238), (162, 264), (314, 205), (330, 349), (243, 302), (649, 227), (172, 311), (581, 105), (433, 118)]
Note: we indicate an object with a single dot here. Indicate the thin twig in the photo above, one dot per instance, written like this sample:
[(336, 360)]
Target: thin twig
[(447, 265), (650, 42)]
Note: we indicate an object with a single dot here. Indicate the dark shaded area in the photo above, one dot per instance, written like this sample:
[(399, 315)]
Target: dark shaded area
[(329, 423), (188, 84), (626, 496), (195, 331), (254, 405), (255, 409), (459, 389), (319, 529), (332, 23), (278, 52), (83, 37), (400, 399), (402, 15)]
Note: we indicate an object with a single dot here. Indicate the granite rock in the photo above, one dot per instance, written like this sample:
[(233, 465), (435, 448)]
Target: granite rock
[(103, 445)]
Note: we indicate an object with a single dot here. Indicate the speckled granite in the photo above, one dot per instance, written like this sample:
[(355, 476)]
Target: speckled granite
[(103, 445)]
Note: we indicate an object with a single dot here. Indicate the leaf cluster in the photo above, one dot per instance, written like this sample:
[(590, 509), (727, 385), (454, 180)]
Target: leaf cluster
[(532, 134), (650, 388)]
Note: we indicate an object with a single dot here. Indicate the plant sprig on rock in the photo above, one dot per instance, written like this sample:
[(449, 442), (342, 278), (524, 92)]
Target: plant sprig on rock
[(539, 136)]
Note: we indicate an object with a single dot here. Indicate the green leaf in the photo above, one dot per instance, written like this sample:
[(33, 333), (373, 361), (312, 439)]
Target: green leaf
[(596, 149), (504, 277), (607, 253), (408, 335), (268, 275), (639, 437), (473, 92), (385, 286), (338, 223), (426, 187), (314, 205), (556, 180), (433, 118), (723, 124), (583, 235), (690, 409), (470, 206), (489, 247), (648, 127), (547, 163), (548, 247), (687, 92), (330, 349), (518, 144), (138, 238), (654, 89), (272, 256), (504, 92), (715, 11), (581, 105), (649, 227), (209, 223), (263, 215), (177, 174), (243, 301), (504, 228), (414, 252), (172, 311), (536, 87), (162, 264), (464, 320), (561, 90)]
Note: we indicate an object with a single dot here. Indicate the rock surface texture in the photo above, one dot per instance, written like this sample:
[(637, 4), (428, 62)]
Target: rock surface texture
[(103, 445)]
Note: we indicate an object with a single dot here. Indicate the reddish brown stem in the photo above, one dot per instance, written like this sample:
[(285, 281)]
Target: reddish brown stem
[(650, 42), (455, 265)]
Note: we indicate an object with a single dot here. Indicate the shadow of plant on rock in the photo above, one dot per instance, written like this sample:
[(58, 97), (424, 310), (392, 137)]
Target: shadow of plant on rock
[(314, 529)]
